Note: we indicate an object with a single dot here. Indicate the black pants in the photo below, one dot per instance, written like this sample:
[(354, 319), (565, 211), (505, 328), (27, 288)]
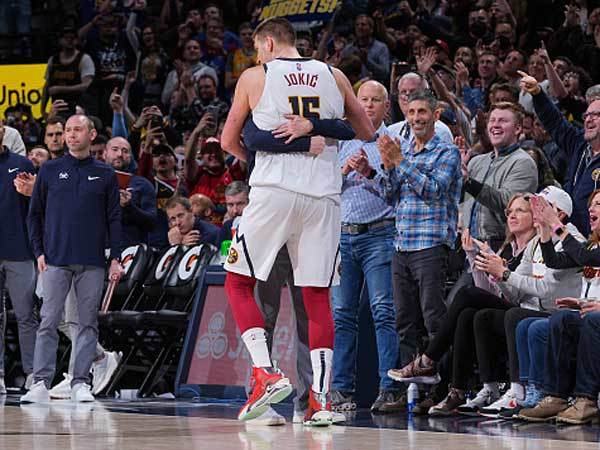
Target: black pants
[(457, 329), (494, 327), (418, 280)]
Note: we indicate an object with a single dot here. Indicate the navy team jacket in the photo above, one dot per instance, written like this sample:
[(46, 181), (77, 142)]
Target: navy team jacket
[(14, 242), (75, 203)]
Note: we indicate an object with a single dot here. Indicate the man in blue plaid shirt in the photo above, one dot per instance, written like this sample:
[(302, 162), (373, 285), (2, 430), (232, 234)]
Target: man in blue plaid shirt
[(366, 249), (424, 180)]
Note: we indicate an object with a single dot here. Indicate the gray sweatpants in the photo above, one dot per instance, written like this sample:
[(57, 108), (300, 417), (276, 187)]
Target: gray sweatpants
[(268, 296), (87, 284), (69, 326), (18, 277)]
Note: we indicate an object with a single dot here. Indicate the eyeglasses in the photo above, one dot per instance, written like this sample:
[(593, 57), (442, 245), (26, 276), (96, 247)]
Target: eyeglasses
[(592, 115)]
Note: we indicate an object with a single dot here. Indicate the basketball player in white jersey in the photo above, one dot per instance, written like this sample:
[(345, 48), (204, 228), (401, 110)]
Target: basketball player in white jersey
[(294, 201)]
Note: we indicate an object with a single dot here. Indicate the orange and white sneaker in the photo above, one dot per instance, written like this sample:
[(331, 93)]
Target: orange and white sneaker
[(268, 386), (319, 412)]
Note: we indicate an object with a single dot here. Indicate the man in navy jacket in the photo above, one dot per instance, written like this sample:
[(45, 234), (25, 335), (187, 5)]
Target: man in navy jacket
[(137, 200), (75, 203), (582, 147), (17, 269)]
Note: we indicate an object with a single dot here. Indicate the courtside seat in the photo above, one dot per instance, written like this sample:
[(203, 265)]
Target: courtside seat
[(152, 287), (135, 260), (152, 338), (155, 280), (180, 287)]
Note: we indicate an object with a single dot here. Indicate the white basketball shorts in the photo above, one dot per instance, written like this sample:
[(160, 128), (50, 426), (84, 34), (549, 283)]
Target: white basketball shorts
[(309, 226)]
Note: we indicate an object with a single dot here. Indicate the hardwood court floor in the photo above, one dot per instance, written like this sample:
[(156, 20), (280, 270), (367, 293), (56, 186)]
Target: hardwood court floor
[(180, 425)]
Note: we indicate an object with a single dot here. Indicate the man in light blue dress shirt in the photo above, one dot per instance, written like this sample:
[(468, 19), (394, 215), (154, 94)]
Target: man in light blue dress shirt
[(366, 249)]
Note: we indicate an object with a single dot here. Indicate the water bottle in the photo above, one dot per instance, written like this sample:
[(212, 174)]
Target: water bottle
[(224, 251), (412, 396)]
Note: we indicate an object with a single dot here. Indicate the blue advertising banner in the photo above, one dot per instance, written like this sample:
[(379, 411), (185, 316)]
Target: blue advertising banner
[(298, 10)]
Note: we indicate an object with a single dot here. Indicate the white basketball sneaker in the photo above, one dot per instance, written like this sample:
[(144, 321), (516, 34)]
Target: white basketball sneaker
[(82, 393), (37, 394), (62, 391)]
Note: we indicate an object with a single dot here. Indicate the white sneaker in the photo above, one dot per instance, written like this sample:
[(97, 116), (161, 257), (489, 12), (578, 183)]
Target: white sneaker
[(81, 393), (507, 401), (62, 391), (2, 386), (484, 397), (337, 417), (298, 416), (37, 394), (269, 418), (103, 370), (28, 382)]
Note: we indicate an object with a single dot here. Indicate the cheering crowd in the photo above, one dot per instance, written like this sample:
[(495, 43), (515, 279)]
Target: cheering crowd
[(473, 219)]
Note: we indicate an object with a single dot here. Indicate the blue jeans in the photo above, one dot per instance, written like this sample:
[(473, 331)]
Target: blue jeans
[(365, 258), (532, 339), (565, 328), (587, 383)]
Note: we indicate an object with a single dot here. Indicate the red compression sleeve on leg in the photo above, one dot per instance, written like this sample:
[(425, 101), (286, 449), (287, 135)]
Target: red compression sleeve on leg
[(240, 293), (320, 320)]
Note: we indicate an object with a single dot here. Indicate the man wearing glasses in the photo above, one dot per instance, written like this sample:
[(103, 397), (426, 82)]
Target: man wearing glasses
[(408, 84), (581, 145)]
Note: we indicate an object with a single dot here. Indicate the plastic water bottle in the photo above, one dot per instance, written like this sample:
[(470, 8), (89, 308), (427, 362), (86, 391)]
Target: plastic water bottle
[(224, 251), (412, 396)]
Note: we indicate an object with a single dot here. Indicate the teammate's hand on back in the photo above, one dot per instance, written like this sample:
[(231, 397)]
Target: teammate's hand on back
[(295, 127), (317, 145)]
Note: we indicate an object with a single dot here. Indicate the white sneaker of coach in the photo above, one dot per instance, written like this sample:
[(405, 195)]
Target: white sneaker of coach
[(28, 382), (2, 386), (103, 370), (81, 393), (269, 418), (62, 391), (37, 394)]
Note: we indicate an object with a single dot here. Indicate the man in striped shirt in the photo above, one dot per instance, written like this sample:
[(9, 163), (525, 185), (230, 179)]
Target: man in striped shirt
[(424, 180), (366, 249)]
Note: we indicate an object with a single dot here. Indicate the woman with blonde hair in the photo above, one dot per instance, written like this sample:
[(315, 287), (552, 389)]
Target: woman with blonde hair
[(514, 279), (457, 328)]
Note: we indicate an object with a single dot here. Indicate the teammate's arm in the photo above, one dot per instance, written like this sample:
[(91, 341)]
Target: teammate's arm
[(256, 139), (354, 112), (298, 126), (240, 108)]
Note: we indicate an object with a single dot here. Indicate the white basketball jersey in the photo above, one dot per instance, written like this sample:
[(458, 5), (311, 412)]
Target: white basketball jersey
[(308, 88)]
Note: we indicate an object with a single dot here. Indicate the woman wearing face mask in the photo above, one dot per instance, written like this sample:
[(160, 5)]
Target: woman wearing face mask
[(574, 333), (457, 328)]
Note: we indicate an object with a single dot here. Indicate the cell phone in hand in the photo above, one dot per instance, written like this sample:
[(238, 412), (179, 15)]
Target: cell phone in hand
[(156, 122)]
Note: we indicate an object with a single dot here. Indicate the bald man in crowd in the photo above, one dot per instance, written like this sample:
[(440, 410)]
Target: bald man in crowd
[(366, 248), (74, 207), (136, 195)]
